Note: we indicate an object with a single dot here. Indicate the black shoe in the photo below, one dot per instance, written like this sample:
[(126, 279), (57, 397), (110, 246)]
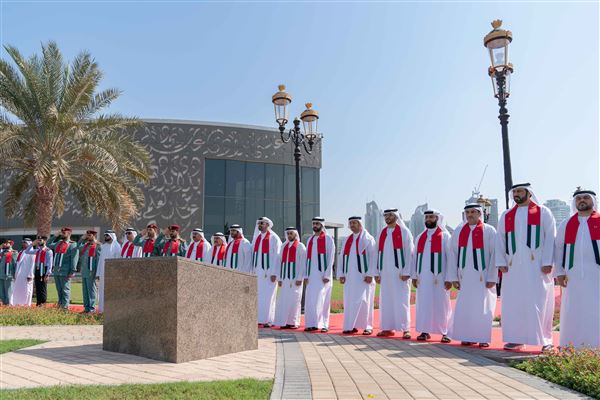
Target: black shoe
[(424, 336), (445, 339), (324, 330)]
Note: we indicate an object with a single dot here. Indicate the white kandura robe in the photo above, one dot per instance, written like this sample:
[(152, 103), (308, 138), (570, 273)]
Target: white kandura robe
[(580, 305), (137, 250), (359, 295), (23, 290), (527, 293), (244, 261), (289, 298), (266, 266), (108, 251), (206, 251), (475, 305), (394, 293), (317, 299), (433, 300)]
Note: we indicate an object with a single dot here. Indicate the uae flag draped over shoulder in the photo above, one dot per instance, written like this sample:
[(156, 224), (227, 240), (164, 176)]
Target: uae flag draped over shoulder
[(571, 237), (288, 261), (361, 258), (396, 244), (261, 249), (321, 253), (436, 251), (533, 228), (477, 244)]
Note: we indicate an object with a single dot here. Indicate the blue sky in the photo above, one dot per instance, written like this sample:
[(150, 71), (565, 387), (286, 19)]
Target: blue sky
[(405, 101)]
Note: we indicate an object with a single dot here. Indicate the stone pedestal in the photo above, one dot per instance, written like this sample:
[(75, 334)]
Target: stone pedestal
[(178, 310)]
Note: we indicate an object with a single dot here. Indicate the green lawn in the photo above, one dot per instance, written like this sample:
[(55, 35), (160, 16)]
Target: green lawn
[(12, 345), (76, 293), (234, 389), (45, 316)]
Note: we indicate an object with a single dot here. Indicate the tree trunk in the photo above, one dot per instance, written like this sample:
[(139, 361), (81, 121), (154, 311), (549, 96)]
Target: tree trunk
[(45, 210)]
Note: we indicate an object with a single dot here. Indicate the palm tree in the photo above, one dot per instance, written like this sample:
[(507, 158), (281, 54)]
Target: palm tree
[(56, 143)]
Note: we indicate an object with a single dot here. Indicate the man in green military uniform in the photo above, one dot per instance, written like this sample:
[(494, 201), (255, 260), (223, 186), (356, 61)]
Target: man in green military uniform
[(174, 246), (8, 263), (89, 252), (150, 241), (66, 255)]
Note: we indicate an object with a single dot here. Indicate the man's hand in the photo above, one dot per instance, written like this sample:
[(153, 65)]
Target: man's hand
[(273, 278), (69, 276), (279, 283), (144, 232), (368, 279), (306, 281), (546, 269), (325, 280), (46, 278), (404, 277), (342, 279), (165, 231), (562, 280), (503, 269), (456, 284), (490, 285), (298, 283), (447, 285), (415, 283)]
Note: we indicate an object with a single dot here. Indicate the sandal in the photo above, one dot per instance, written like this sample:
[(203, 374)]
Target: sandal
[(406, 335), (423, 336), (445, 339), (367, 332)]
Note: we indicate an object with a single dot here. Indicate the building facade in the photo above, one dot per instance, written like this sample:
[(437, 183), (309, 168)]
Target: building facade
[(373, 219), (209, 175), (560, 209)]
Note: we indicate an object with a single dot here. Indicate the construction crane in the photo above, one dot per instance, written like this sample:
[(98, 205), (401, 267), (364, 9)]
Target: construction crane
[(480, 181)]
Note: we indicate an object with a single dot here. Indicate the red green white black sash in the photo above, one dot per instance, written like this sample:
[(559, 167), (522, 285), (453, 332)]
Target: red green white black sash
[(477, 243), (8, 256), (127, 250), (59, 255), (91, 249), (436, 251), (262, 251), (533, 227), (288, 261), (220, 257), (199, 251), (40, 261), (321, 253), (233, 258), (361, 257), (171, 248), (148, 248), (396, 244), (571, 236), (20, 255)]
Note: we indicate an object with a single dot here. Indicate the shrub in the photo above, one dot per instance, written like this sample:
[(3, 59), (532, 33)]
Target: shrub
[(45, 316)]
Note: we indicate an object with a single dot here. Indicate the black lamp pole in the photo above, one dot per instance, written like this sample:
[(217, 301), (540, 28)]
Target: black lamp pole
[(503, 117)]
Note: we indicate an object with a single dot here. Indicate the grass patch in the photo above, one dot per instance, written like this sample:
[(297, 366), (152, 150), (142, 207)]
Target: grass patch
[(76, 293), (45, 316), (577, 369), (12, 345), (217, 390)]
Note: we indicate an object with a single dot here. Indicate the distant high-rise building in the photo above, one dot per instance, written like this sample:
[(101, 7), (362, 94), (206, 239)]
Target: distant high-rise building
[(560, 209), (373, 219), (417, 221)]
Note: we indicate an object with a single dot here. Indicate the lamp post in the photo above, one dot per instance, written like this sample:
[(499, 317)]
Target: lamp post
[(497, 42), (310, 118), (486, 204)]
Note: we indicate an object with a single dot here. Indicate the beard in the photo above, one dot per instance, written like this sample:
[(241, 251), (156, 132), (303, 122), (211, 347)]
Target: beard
[(584, 207), (430, 225), (173, 236), (316, 230), (108, 240)]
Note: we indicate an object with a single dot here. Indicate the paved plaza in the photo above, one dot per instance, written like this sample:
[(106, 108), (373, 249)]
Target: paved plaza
[(303, 366)]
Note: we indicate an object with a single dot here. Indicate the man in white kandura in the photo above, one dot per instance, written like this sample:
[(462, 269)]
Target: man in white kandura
[(266, 246), (128, 248), (110, 249), (217, 256), (472, 271), (238, 253), (291, 276), (199, 248), (24, 276), (524, 253), (395, 252), (429, 268), (577, 261), (320, 255), (356, 267)]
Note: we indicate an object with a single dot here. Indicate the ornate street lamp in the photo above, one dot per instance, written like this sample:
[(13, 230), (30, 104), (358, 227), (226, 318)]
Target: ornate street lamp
[(486, 204), (497, 42), (310, 118)]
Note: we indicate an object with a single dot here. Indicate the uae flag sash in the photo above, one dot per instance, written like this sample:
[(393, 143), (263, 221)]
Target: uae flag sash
[(91, 249), (61, 250), (127, 250), (288, 261), (321, 253), (8, 256), (220, 256), (171, 248), (436, 252), (533, 228), (396, 244), (233, 258), (20, 255), (40, 261), (571, 236), (477, 243), (262, 251), (199, 251), (361, 257), (148, 248)]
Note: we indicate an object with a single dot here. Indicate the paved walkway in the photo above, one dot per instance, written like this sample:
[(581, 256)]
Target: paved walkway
[(305, 366)]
